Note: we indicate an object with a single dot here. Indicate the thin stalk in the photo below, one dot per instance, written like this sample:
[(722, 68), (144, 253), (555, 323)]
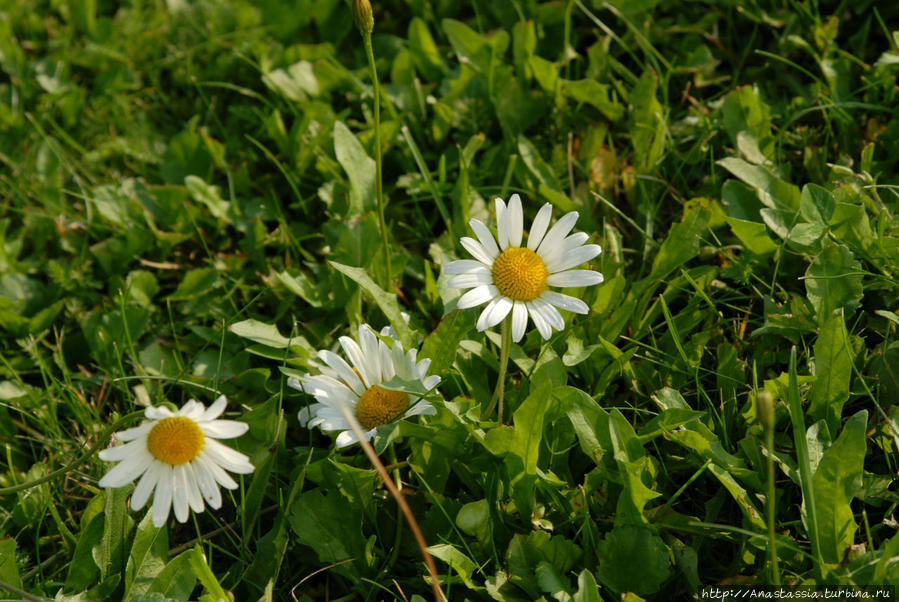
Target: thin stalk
[(500, 390), (772, 536), (398, 537), (379, 185), (400, 500)]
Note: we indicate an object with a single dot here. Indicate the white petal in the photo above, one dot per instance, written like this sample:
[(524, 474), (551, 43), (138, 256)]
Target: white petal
[(558, 232), (128, 469), (179, 493), (193, 409), (431, 381), (572, 278), (294, 383), (162, 498), (557, 254), (516, 221), (549, 313), (194, 498), (135, 432), (207, 485), (216, 409), (471, 279), (485, 238), (329, 391), (354, 353), (218, 474), (146, 485), (343, 370), (566, 302), (540, 322), (477, 296), (477, 250), (421, 408), (387, 369), (502, 224), (158, 413), (368, 340), (538, 228), (120, 452), (227, 458), (224, 429), (347, 438), (463, 266), (421, 368), (574, 257), (330, 419), (519, 320), (398, 358), (494, 313)]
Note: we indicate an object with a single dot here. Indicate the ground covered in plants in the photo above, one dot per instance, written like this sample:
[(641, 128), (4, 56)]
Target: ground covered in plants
[(189, 209)]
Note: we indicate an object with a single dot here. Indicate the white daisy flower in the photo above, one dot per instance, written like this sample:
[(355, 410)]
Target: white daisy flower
[(509, 277), (357, 387), (177, 455)]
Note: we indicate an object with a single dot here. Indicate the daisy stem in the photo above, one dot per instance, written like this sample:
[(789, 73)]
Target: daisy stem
[(772, 537), (379, 187), (499, 392), (400, 500), (398, 538)]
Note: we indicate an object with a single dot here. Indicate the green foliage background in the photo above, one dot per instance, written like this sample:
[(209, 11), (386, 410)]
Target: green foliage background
[(188, 197)]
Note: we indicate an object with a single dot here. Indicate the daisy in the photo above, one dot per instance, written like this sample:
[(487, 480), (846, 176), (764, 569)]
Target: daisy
[(178, 456), (356, 387), (512, 278)]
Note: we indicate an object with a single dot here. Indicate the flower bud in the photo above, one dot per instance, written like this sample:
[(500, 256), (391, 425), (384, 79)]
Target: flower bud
[(365, 21), (764, 409)]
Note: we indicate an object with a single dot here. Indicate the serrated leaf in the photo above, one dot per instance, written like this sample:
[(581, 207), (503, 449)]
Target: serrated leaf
[(328, 524), (833, 372), (442, 345), (148, 557), (633, 559)]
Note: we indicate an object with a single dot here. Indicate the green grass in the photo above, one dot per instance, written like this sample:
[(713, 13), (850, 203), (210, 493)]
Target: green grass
[(187, 206)]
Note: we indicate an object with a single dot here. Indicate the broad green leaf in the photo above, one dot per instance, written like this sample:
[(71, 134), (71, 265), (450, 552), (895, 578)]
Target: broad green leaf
[(474, 519), (551, 581), (633, 559), (205, 575), (474, 49), (209, 196), (836, 480), (833, 373), (328, 524), (527, 552), (632, 466), (196, 283), (425, 54), (816, 204), (587, 589), (745, 113), (360, 170), (834, 281), (682, 242), (524, 44), (386, 301), (536, 165), (753, 235), (9, 569), (590, 422), (442, 345), (597, 95), (260, 332), (459, 562), (109, 552), (176, 580), (148, 557), (773, 192), (83, 571), (296, 83)]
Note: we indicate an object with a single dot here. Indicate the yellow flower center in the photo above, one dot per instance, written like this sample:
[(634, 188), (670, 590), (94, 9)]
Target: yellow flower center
[(519, 274), (175, 440), (379, 406)]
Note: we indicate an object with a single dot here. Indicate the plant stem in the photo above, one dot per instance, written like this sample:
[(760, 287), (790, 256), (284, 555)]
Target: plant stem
[(379, 186), (772, 540), (499, 392), (400, 500)]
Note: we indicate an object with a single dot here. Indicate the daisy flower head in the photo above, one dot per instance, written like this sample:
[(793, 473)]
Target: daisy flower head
[(514, 278), (355, 386), (178, 458)]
